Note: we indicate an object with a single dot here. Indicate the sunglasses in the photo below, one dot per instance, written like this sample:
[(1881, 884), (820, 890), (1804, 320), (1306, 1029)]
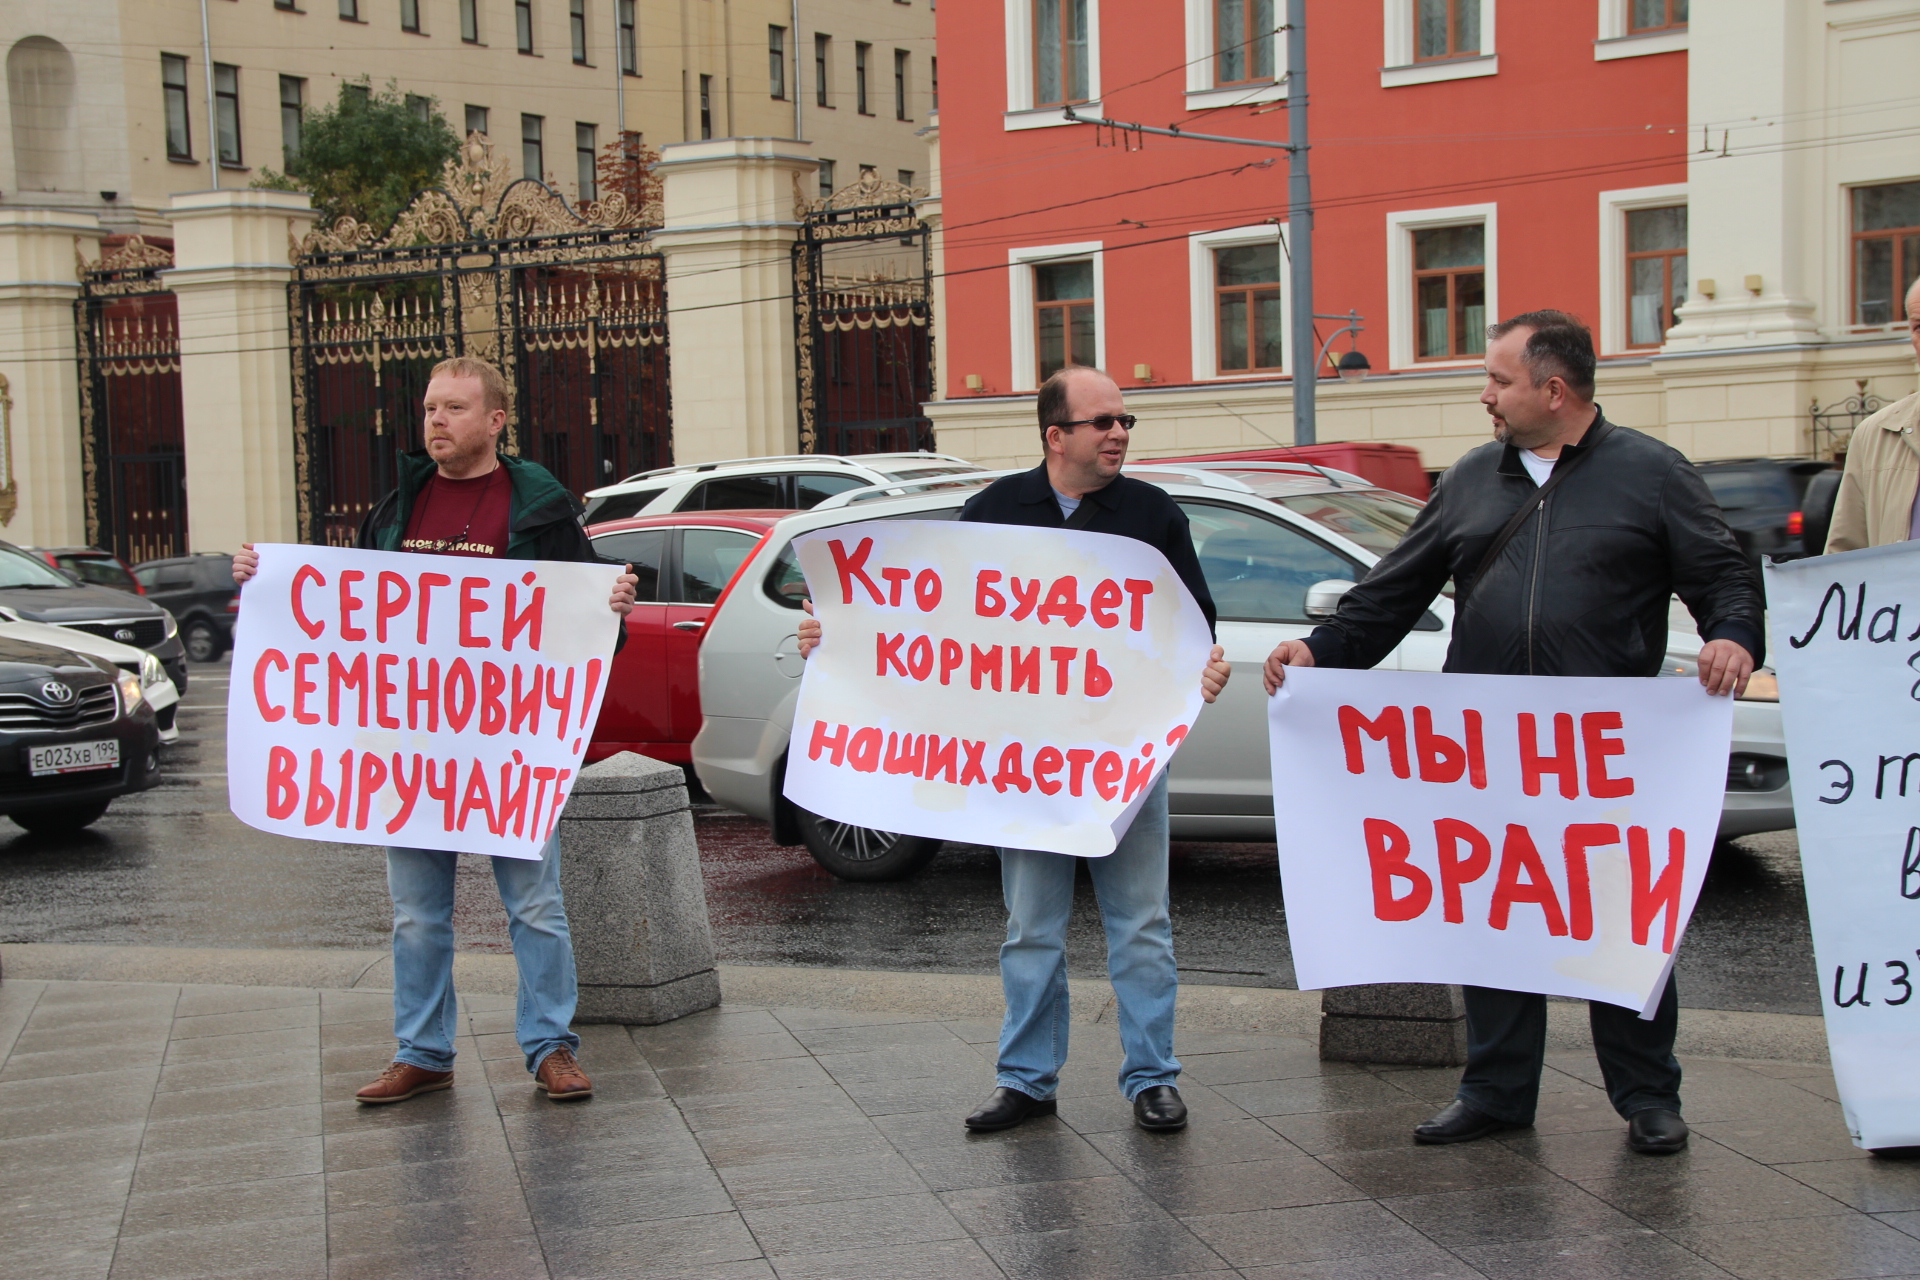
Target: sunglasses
[(1105, 422)]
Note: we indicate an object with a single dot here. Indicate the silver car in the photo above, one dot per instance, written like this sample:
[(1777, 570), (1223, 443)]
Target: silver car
[(1279, 543)]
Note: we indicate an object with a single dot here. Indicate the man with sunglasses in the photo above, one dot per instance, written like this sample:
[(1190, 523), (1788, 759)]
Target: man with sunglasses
[(1084, 428)]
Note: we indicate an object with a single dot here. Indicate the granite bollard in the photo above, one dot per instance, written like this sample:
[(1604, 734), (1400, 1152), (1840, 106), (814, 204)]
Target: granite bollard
[(1413, 1024), (630, 873)]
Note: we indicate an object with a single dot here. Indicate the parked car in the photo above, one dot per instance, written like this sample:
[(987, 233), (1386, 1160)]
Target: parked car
[(1390, 466), (198, 591), (75, 732), (684, 562), (1268, 536), (155, 684), (90, 565), (1823, 488), (34, 591), (793, 482), (1764, 500)]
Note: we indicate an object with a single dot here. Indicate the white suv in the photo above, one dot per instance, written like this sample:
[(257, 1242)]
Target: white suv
[(790, 482)]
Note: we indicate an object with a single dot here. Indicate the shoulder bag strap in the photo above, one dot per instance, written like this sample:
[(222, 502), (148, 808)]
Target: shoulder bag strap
[(1527, 508), (1084, 513)]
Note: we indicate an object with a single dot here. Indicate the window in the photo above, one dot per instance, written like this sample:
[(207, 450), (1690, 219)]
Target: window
[(1656, 272), (1243, 41), (860, 51), (577, 29), (410, 16), (933, 82), (470, 21), (629, 44), (173, 81), (293, 100), (904, 177), (1655, 15), (533, 162), (644, 549), (900, 84), (736, 493), (1247, 314), (1431, 40), (813, 488), (523, 24), (708, 559), (288, 5), (1445, 29), (1450, 291), (1059, 52), (822, 56), (349, 10), (421, 108), (226, 108), (826, 177), (776, 62), (1062, 316), (1886, 251), (476, 119), (586, 152), (706, 106), (1259, 570), (358, 93)]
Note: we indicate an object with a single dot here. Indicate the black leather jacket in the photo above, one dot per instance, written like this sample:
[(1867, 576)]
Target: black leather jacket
[(1581, 589)]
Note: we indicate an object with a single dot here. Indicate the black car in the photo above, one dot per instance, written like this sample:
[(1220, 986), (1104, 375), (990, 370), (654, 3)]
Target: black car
[(37, 592), (198, 591), (74, 733), (1764, 500)]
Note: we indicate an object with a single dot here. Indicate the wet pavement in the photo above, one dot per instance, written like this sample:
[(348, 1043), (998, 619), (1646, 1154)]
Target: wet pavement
[(151, 1131), (173, 867)]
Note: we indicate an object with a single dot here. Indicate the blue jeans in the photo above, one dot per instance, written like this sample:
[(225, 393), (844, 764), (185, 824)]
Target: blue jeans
[(424, 1008), (1131, 885)]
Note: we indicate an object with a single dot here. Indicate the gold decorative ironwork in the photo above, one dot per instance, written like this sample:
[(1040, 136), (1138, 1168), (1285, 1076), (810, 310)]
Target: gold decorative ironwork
[(136, 346), (871, 191), (126, 268)]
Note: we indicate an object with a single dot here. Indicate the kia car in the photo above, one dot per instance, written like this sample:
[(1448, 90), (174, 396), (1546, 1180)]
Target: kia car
[(34, 591), (1278, 542), (75, 732)]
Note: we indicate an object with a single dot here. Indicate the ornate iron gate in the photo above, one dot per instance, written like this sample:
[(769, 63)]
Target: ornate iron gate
[(132, 437), (570, 304), (863, 321)]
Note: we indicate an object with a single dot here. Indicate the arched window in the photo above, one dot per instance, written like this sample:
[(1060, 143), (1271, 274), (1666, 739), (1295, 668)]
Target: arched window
[(46, 142)]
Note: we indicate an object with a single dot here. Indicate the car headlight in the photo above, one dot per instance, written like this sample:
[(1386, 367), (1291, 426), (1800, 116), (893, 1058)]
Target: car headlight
[(151, 672), (173, 627), (130, 694), (1676, 665), (1762, 686)]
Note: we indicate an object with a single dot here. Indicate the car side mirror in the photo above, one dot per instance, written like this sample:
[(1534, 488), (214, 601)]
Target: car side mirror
[(1323, 598)]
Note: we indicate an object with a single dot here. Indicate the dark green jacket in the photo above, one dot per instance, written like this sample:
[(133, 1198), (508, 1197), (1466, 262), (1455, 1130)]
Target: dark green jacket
[(543, 521)]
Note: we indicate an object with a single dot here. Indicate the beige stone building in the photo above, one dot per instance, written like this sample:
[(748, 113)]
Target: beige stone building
[(109, 102)]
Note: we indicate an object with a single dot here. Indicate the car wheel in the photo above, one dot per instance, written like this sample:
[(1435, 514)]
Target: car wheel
[(202, 641), (861, 853), (61, 821)]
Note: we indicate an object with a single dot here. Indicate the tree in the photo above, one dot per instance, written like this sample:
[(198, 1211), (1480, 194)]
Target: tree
[(368, 154), (626, 165)]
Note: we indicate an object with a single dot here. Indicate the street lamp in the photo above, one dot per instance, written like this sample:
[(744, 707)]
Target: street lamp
[(1353, 366)]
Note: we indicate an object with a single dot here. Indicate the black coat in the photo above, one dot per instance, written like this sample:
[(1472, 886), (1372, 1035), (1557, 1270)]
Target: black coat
[(1581, 589), (1127, 507)]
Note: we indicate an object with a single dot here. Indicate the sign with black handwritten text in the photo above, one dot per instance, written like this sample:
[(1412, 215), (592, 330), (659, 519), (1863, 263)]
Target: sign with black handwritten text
[(429, 702), (1846, 644), (1531, 833), (990, 683)]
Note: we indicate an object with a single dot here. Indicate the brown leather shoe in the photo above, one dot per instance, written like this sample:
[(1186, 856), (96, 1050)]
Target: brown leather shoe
[(402, 1080), (561, 1078)]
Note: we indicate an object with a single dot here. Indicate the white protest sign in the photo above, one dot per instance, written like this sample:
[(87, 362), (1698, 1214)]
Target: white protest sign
[(1846, 638), (991, 683), (429, 702), (1529, 833)]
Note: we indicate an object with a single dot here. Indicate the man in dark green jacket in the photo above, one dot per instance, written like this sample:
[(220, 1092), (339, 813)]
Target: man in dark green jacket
[(460, 496)]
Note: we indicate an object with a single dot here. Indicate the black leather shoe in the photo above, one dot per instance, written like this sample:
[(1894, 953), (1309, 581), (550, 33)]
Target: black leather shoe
[(1458, 1122), (1007, 1108), (1657, 1132), (1158, 1107)]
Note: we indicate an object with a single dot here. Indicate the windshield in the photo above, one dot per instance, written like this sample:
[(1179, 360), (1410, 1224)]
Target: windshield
[(1374, 518), (18, 569), (99, 571)]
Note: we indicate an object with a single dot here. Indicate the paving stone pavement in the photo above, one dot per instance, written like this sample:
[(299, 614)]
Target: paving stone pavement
[(156, 1130)]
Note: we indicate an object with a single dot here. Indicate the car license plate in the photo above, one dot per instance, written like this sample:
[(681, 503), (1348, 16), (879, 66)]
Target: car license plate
[(73, 757)]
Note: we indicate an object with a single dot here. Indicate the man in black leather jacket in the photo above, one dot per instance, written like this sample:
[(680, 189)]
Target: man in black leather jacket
[(1581, 589)]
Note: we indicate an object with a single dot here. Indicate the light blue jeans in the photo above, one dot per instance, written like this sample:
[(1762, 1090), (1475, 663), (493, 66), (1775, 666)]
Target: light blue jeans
[(424, 1008), (1131, 885)]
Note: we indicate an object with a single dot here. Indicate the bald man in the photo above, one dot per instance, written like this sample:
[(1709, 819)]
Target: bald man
[(1879, 498)]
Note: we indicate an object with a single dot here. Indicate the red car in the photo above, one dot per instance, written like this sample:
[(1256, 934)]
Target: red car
[(684, 561)]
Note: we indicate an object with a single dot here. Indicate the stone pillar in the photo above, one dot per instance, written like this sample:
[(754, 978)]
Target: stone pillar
[(1409, 1023), (932, 211), (231, 253), (39, 283), (630, 872), (730, 226)]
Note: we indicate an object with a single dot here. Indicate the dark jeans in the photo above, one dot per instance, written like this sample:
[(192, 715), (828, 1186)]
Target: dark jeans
[(1507, 1045)]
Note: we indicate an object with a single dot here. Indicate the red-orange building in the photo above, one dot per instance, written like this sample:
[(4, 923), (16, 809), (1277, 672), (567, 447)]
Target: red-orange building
[(1471, 159)]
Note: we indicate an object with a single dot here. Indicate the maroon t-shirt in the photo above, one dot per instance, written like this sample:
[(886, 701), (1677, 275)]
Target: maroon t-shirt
[(461, 517)]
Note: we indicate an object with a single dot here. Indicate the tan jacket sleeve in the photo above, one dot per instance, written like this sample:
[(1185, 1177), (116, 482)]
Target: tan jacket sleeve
[(1848, 532)]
